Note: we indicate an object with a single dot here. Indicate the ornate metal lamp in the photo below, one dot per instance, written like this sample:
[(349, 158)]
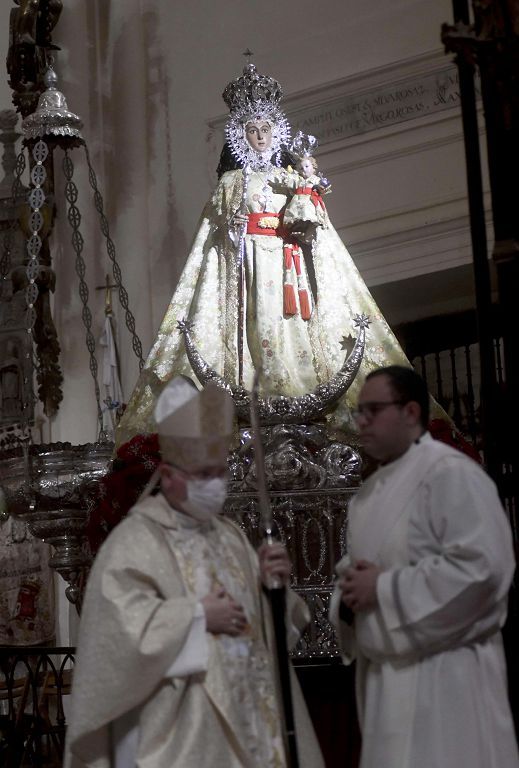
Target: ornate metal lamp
[(52, 487)]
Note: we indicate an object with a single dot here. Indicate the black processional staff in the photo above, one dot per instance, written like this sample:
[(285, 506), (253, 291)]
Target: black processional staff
[(276, 590)]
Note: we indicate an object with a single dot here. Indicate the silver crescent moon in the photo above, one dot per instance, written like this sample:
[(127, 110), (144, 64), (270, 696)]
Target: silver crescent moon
[(280, 409)]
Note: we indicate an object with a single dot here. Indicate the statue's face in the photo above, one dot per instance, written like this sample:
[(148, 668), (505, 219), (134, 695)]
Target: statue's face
[(259, 135), (306, 167)]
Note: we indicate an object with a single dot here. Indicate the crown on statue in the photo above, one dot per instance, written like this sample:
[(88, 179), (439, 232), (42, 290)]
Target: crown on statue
[(252, 91), (303, 144)]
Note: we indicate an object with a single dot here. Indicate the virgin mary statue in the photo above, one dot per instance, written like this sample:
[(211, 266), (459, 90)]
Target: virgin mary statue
[(297, 304)]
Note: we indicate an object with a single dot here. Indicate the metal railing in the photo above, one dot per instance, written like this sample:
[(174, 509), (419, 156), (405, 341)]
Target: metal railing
[(34, 686)]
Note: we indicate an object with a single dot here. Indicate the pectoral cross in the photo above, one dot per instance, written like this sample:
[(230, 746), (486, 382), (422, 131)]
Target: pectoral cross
[(107, 288)]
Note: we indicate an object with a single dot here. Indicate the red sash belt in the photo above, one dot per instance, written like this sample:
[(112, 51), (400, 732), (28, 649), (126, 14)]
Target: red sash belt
[(272, 224), (315, 197), (263, 224)]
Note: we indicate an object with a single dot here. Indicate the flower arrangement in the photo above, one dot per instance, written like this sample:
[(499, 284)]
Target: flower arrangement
[(119, 490)]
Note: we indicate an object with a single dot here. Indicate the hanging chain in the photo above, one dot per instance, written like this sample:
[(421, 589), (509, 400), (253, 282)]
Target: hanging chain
[(110, 249), (36, 199), (74, 219)]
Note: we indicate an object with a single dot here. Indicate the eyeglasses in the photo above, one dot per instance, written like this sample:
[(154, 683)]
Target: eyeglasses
[(371, 409)]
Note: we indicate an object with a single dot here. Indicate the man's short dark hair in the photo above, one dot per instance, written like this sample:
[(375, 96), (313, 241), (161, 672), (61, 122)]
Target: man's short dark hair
[(407, 386)]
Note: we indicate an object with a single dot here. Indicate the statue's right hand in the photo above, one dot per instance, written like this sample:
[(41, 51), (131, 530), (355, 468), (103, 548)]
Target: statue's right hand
[(223, 615), (240, 220)]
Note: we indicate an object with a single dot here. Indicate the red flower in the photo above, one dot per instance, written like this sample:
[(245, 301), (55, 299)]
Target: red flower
[(133, 466)]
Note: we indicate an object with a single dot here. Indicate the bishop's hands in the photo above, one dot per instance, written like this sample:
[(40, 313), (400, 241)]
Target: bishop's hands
[(358, 585), (274, 565), (223, 615)]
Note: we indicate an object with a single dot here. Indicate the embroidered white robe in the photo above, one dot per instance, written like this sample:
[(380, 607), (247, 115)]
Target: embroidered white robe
[(131, 700), (294, 355)]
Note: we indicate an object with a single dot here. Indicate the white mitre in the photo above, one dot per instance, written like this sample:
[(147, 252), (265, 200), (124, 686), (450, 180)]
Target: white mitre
[(195, 428)]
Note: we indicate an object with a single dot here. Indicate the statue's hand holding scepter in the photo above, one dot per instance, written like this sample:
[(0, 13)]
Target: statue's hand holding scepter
[(239, 222)]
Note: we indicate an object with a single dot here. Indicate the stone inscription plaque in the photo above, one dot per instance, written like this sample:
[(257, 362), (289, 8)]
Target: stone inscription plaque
[(350, 115)]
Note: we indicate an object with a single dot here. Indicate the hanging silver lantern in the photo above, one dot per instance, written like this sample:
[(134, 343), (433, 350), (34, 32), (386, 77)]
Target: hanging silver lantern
[(53, 487)]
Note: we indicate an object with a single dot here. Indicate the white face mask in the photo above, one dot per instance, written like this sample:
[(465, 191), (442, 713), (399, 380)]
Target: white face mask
[(205, 497)]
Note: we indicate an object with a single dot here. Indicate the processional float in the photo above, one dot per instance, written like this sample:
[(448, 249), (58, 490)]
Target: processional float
[(310, 476)]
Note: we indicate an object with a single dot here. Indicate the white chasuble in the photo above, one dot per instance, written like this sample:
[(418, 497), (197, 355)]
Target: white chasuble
[(132, 694)]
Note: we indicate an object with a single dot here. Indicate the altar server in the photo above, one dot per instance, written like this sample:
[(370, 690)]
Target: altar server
[(421, 596)]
